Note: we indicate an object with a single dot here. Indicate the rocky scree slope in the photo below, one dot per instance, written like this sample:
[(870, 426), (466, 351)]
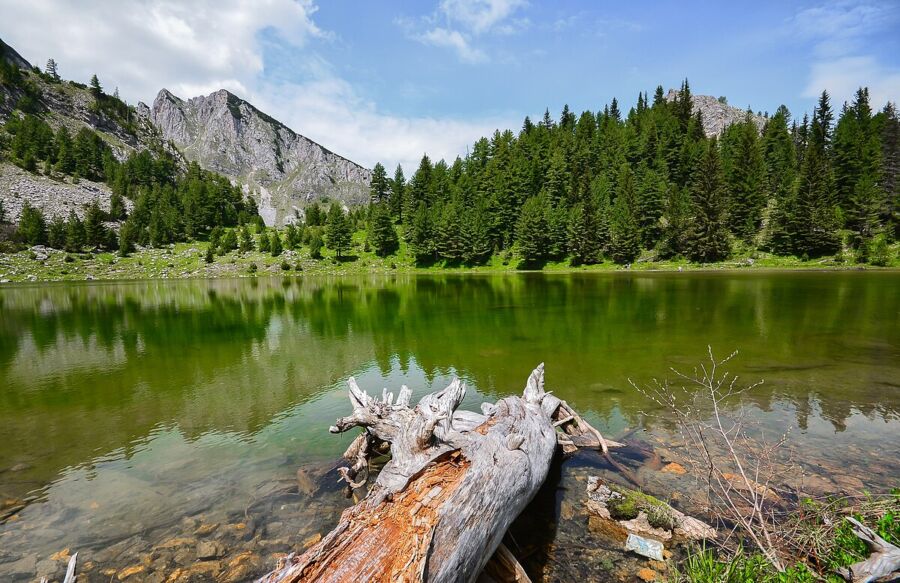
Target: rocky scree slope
[(717, 115), (283, 169)]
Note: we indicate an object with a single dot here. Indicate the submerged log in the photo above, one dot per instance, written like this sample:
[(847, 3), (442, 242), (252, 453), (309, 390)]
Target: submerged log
[(455, 482)]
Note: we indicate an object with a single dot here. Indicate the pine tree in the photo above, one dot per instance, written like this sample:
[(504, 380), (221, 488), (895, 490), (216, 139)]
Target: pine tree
[(209, 257), (275, 247), (94, 230), (744, 169), (448, 233), (337, 231), (583, 244), (76, 238), (381, 233), (246, 240), (291, 236), (96, 89), (476, 235), (116, 207), (32, 226), (531, 231), (707, 238), (556, 217), (264, 245), (128, 238), (890, 168), (865, 210), (56, 233), (229, 241), (315, 245), (624, 232), (649, 205), (398, 194), (51, 70), (379, 185)]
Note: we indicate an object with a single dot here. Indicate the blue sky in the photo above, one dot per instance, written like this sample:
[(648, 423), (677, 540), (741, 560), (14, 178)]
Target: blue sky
[(389, 80)]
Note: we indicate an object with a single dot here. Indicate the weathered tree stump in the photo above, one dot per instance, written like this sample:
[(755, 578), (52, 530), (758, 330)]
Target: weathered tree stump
[(456, 480)]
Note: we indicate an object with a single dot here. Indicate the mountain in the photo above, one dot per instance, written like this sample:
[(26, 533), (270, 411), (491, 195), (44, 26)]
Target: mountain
[(230, 136), (717, 115)]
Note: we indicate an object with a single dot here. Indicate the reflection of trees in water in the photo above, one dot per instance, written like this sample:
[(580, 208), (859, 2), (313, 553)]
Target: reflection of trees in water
[(821, 341)]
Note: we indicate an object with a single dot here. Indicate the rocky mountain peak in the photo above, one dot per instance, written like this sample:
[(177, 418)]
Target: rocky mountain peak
[(281, 168), (717, 115)]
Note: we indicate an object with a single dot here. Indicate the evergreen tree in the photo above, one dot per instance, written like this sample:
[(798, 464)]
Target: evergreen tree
[(531, 231), (229, 241), (337, 231), (51, 70), (420, 237), (209, 257), (76, 237), (707, 239), (264, 245), (314, 215), (32, 226), (476, 235), (246, 240), (890, 168), (556, 218), (94, 230), (291, 236), (649, 205), (275, 246), (96, 89), (624, 232), (865, 210), (56, 233), (379, 185), (315, 245), (398, 194), (116, 207), (128, 238), (381, 233), (744, 169), (583, 244)]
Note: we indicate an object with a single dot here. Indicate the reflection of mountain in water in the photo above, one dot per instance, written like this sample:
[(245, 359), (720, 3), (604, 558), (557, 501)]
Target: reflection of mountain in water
[(93, 367)]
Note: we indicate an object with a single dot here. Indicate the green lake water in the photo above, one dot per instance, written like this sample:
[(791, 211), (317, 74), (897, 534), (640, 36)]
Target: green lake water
[(134, 412)]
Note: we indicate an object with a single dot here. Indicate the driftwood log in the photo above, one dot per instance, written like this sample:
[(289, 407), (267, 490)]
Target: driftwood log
[(882, 565), (455, 482)]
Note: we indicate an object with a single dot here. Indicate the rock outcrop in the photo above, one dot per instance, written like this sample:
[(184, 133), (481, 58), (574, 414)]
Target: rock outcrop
[(280, 168), (717, 115)]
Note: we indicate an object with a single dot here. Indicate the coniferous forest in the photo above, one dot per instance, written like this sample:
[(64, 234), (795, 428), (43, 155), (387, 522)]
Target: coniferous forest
[(649, 183)]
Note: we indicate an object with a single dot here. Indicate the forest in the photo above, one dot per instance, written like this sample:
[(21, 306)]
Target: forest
[(644, 185), (614, 185)]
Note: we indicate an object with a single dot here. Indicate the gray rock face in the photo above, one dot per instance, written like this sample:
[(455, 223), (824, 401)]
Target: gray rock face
[(55, 198), (717, 116), (280, 168)]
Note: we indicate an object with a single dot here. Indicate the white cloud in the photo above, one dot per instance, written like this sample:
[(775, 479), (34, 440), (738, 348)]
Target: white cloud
[(466, 20), (197, 47), (479, 16), (453, 39), (842, 77), (841, 34)]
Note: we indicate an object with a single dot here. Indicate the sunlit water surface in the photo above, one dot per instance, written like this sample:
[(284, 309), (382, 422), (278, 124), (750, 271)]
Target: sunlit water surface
[(132, 414)]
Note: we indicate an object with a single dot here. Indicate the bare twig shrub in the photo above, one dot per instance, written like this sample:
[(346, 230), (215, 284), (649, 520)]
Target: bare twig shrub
[(730, 458)]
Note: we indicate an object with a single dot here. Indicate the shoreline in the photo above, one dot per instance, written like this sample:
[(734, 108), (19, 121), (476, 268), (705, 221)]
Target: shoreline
[(186, 261)]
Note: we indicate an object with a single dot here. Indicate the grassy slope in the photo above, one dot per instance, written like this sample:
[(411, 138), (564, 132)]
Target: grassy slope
[(186, 260)]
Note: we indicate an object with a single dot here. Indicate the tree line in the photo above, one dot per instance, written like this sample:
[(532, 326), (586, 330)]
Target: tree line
[(613, 185)]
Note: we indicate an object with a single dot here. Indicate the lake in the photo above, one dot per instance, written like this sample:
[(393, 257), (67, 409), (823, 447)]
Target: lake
[(138, 417)]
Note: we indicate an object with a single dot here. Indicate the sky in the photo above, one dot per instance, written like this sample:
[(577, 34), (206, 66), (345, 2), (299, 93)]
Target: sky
[(390, 80)]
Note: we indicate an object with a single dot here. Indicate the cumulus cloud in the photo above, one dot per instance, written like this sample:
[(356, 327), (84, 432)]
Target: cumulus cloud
[(197, 47), (480, 16)]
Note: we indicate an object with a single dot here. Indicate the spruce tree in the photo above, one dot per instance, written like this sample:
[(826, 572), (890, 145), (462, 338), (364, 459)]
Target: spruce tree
[(398, 194), (420, 237), (707, 238), (337, 231), (745, 178), (624, 232), (264, 245), (378, 187), (890, 168), (649, 205), (556, 218), (56, 233), (583, 244), (229, 241), (291, 236), (52, 70), (381, 233), (128, 237), (448, 233), (117, 210), (96, 89), (531, 231), (476, 236), (315, 245), (32, 228), (246, 240), (275, 247), (76, 238), (94, 230)]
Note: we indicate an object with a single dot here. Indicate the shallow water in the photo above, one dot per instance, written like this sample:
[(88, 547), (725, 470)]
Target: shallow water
[(131, 413)]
